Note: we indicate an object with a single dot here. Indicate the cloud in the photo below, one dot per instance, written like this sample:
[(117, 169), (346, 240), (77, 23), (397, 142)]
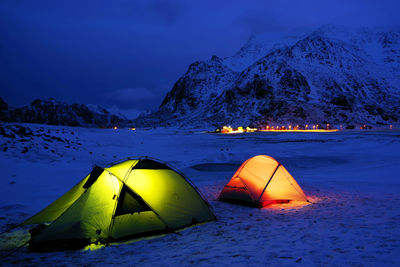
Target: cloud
[(131, 95), (169, 11), (78, 50), (128, 113), (284, 15)]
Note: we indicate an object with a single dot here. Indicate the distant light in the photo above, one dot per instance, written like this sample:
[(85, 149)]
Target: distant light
[(115, 128)]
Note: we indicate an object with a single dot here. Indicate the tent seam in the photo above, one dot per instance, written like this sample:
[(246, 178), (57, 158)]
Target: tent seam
[(293, 186), (272, 176), (124, 184), (187, 180), (238, 176), (117, 200)]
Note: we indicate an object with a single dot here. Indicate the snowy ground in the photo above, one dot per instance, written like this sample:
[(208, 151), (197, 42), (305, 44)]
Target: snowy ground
[(352, 177)]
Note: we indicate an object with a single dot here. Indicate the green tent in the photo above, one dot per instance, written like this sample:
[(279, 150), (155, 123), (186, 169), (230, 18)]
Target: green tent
[(133, 198)]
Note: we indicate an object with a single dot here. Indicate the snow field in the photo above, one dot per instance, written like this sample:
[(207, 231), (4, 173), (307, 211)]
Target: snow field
[(351, 177)]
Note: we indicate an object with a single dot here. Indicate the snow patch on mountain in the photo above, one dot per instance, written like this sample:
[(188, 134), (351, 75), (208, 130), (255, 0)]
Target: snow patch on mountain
[(259, 45)]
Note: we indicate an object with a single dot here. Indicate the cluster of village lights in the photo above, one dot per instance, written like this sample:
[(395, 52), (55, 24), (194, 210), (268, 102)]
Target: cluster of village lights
[(132, 128), (297, 127), (289, 128)]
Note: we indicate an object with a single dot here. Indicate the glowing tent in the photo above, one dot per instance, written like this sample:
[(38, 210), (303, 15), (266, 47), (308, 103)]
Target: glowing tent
[(133, 198), (260, 181)]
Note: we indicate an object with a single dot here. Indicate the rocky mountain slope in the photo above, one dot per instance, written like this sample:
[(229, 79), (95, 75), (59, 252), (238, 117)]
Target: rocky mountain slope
[(58, 113), (332, 74)]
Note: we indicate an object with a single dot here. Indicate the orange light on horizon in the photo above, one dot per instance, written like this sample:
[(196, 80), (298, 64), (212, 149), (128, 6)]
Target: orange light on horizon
[(250, 130), (278, 128)]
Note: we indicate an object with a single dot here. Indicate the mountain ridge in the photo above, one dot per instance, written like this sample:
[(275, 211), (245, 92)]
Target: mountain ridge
[(330, 75), (54, 112)]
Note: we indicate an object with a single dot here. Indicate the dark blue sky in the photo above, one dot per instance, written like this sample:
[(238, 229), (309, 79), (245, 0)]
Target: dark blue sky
[(129, 53)]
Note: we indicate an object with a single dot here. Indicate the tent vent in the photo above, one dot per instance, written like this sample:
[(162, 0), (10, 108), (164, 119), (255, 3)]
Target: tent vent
[(93, 176), (129, 202), (150, 164)]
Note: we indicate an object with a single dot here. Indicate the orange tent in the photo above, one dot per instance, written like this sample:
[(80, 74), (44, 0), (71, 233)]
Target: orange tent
[(260, 181)]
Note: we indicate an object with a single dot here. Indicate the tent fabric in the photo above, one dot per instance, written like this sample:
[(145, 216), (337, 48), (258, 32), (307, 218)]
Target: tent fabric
[(121, 202), (55, 209), (261, 180)]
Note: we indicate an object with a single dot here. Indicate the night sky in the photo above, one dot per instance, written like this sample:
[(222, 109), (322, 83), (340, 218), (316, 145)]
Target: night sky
[(128, 54)]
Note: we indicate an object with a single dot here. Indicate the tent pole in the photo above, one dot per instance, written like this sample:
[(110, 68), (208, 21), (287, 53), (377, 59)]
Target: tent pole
[(258, 200)]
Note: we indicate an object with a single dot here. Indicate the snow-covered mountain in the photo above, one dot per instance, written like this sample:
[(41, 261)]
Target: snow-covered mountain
[(58, 113), (331, 74)]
